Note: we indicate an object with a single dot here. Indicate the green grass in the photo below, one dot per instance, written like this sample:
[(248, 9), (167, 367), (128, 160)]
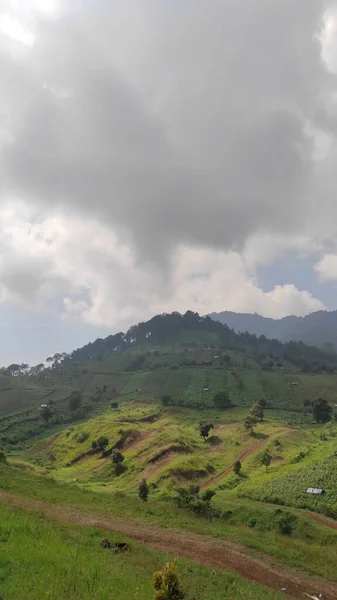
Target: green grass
[(44, 560), (310, 548)]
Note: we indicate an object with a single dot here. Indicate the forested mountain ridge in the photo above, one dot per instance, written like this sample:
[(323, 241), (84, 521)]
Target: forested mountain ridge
[(192, 329), (316, 329)]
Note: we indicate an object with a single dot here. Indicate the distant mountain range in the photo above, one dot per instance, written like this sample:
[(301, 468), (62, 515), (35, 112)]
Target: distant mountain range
[(316, 329)]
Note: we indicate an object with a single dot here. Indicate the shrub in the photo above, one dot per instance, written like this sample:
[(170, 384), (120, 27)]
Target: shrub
[(100, 444), (143, 491), (252, 522), (285, 522), (82, 437), (167, 583), (3, 458)]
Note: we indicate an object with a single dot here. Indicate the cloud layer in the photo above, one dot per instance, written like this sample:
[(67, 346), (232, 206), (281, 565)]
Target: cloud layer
[(148, 151)]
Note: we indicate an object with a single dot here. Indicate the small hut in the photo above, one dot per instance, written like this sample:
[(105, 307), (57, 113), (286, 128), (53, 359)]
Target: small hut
[(316, 491)]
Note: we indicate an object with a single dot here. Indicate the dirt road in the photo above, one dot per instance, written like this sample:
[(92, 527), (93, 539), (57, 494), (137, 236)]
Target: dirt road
[(200, 549), (245, 454)]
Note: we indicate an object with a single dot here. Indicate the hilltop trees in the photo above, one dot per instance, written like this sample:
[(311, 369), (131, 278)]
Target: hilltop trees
[(204, 429), (222, 401)]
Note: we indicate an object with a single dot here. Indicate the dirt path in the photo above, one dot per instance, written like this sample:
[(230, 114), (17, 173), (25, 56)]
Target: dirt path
[(158, 465), (245, 454), (200, 549), (321, 520)]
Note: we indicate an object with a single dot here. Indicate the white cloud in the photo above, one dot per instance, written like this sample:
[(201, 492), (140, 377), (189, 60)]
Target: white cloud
[(326, 267), (98, 279)]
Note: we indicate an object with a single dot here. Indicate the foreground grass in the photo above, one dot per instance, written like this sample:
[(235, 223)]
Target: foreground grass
[(310, 548), (44, 560)]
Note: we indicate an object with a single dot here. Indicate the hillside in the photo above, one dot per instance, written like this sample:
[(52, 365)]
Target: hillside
[(129, 408), (316, 329)]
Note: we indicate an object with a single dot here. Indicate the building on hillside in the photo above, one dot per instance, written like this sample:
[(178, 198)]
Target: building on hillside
[(294, 383), (317, 491)]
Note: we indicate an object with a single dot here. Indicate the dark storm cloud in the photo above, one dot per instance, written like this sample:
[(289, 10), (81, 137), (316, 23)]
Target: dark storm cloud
[(181, 126)]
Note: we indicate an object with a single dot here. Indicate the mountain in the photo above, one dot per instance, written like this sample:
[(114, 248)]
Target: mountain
[(316, 329), (192, 329)]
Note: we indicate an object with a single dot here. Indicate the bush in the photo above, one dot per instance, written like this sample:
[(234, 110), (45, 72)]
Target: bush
[(285, 522), (3, 458), (167, 583), (82, 437), (252, 522)]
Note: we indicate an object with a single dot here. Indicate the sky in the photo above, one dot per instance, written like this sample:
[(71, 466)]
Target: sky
[(159, 156)]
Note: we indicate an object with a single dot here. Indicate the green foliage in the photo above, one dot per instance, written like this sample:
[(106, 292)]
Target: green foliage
[(75, 400), (191, 499), (291, 489), (166, 400), (204, 429), (222, 400), (249, 423), (257, 412), (117, 456), (143, 490), (322, 411), (46, 413), (3, 458), (265, 459), (100, 444), (167, 583), (237, 467)]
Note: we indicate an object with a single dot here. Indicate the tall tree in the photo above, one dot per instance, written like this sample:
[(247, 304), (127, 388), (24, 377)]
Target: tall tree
[(143, 490), (266, 459), (249, 423), (204, 429), (322, 411), (75, 400), (257, 412), (237, 467), (46, 413), (222, 400)]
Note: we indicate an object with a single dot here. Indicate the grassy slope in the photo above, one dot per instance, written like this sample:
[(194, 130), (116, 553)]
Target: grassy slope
[(46, 560), (302, 550)]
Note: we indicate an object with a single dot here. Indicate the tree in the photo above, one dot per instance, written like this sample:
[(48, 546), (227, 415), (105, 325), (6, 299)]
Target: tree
[(257, 412), (322, 411), (118, 459), (143, 490), (166, 400), (266, 459), (262, 403), (205, 428), (222, 400), (249, 423), (167, 583), (100, 444), (46, 413), (117, 456), (237, 467), (3, 458), (75, 400)]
